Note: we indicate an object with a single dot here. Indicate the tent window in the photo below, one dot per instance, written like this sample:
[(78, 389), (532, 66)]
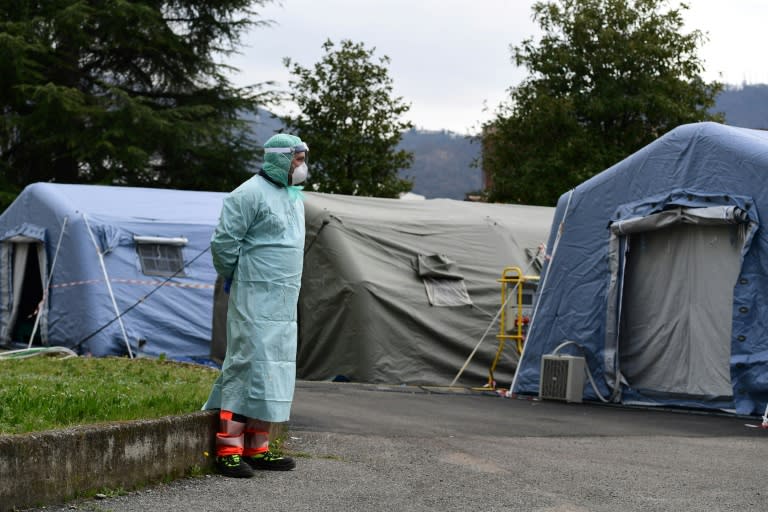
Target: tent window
[(159, 259), (446, 292)]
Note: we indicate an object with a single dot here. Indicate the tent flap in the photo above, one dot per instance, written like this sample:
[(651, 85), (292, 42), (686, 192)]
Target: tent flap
[(30, 232), (711, 215), (437, 266)]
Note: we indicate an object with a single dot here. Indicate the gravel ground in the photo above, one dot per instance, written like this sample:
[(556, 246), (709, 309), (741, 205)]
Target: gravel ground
[(360, 448)]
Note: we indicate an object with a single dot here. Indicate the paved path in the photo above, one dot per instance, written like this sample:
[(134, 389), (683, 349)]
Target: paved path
[(372, 448)]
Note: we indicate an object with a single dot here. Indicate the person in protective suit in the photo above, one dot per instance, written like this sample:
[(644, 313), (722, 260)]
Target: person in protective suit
[(258, 247)]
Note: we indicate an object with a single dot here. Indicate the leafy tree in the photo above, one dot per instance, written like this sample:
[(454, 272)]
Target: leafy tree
[(606, 78), (123, 92), (351, 121)]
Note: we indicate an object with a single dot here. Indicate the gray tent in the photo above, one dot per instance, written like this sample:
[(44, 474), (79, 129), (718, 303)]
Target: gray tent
[(401, 291)]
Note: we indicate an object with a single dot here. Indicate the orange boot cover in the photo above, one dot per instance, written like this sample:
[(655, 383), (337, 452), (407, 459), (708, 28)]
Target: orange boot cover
[(256, 437), (230, 438)]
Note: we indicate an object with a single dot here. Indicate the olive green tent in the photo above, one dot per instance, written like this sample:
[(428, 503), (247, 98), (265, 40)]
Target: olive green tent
[(400, 292)]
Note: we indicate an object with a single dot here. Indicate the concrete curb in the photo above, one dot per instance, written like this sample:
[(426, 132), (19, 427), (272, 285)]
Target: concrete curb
[(44, 468)]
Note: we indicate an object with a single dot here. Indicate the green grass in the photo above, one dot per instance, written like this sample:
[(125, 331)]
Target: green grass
[(44, 393)]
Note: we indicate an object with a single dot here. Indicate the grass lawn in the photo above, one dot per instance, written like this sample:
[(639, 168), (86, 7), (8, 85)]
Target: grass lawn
[(47, 392)]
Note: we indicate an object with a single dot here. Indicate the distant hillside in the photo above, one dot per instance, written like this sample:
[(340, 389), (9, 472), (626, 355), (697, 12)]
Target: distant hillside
[(442, 164), (263, 125), (745, 106), (441, 159)]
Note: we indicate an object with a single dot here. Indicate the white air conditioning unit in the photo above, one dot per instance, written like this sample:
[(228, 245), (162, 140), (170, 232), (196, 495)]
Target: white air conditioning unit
[(562, 378)]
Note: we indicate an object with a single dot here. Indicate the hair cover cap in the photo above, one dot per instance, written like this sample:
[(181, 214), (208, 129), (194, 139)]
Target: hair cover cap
[(277, 165)]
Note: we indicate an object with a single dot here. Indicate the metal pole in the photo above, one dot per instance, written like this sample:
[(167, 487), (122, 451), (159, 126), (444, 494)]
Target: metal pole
[(471, 355), (109, 286), (48, 283), (541, 289)]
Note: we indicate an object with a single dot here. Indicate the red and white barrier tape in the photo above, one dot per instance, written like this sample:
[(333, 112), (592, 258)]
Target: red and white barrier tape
[(134, 281)]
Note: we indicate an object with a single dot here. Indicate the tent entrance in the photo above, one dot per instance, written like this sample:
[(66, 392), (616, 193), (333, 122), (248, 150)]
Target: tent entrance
[(26, 288), (676, 309)]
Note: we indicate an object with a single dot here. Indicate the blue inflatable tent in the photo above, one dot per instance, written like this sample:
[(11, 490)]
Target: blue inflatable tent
[(658, 276), (127, 270)]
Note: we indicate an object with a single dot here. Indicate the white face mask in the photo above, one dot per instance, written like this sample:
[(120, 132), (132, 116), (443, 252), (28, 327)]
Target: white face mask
[(299, 174)]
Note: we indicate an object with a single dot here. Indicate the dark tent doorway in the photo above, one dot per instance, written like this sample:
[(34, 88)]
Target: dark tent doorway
[(26, 289)]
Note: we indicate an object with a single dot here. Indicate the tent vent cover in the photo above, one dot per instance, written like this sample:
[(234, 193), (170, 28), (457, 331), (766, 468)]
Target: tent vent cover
[(562, 378), (442, 279)]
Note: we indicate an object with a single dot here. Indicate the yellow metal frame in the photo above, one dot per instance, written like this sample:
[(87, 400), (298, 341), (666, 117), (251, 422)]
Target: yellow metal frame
[(509, 276)]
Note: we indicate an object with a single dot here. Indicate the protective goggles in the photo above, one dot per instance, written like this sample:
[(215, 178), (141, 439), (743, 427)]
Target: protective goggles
[(299, 148)]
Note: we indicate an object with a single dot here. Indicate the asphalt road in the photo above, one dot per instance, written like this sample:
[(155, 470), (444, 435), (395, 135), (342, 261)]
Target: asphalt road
[(371, 448)]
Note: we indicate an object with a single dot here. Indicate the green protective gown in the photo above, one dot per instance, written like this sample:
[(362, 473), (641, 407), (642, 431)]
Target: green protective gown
[(260, 243)]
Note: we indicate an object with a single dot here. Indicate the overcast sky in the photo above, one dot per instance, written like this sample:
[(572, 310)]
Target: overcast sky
[(451, 60)]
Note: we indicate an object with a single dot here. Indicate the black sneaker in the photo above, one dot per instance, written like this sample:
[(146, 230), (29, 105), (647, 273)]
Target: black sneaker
[(269, 460), (234, 466)]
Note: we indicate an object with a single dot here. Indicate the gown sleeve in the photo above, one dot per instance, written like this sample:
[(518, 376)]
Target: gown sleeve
[(238, 212)]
